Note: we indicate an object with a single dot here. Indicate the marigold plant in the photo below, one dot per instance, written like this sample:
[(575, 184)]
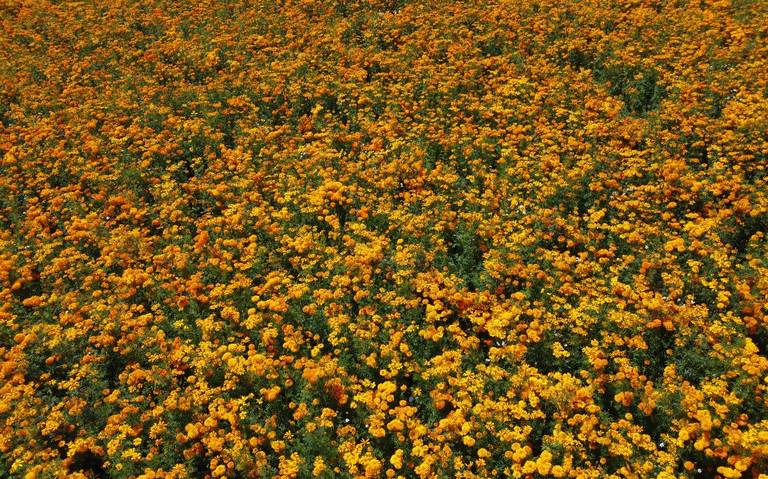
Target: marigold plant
[(384, 239)]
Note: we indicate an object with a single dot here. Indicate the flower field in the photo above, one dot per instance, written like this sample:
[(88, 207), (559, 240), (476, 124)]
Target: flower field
[(384, 238)]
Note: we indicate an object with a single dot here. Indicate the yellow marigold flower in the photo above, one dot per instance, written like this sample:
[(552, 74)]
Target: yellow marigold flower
[(424, 469), (397, 459), (729, 473), (318, 466), (372, 466), (705, 420), (271, 393), (558, 351), (529, 467), (300, 411), (191, 431), (395, 425), (544, 463), (624, 398)]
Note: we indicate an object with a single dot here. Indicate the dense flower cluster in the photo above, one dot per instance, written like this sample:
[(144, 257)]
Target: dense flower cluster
[(383, 238)]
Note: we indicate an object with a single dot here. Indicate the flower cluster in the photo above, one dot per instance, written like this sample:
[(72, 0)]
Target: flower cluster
[(384, 238)]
